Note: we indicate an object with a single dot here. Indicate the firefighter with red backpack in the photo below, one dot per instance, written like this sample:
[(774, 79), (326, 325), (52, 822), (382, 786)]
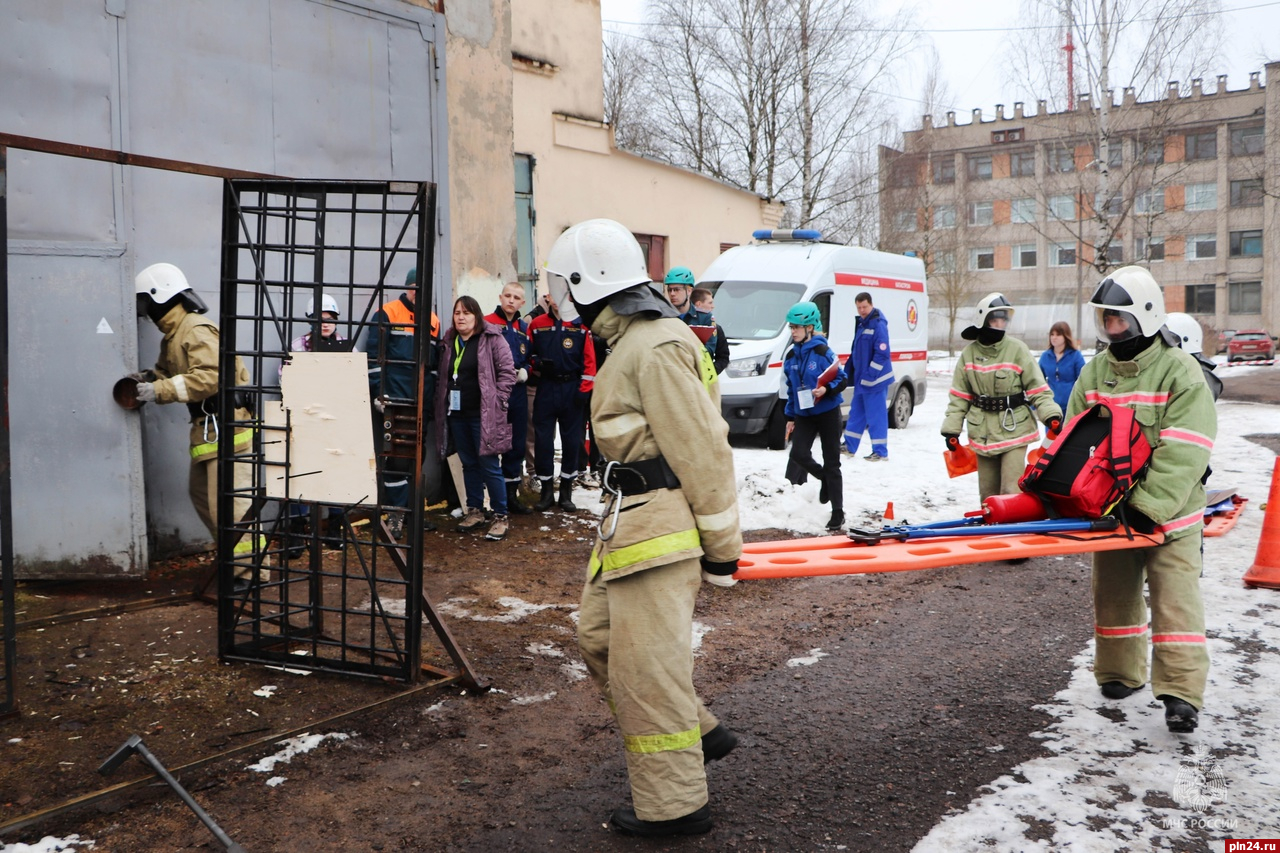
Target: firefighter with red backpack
[(1144, 369), (996, 381)]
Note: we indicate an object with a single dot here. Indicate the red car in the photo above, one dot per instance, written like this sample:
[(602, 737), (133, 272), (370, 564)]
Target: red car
[(1249, 344)]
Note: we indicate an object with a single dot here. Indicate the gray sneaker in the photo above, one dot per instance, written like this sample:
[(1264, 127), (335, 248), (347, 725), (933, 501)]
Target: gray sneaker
[(473, 520), (497, 530), (875, 457)]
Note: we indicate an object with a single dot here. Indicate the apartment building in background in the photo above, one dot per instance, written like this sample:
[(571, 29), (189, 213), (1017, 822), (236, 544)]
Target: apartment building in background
[(1020, 204)]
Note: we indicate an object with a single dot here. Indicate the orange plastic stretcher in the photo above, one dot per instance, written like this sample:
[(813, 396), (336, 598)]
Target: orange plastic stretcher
[(838, 555), (1220, 523)]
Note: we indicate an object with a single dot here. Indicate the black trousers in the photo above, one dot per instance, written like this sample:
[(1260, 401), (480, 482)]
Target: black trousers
[(828, 428)]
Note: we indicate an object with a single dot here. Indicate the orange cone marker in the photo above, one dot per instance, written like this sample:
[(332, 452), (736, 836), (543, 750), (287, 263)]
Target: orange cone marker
[(888, 512), (1265, 570)]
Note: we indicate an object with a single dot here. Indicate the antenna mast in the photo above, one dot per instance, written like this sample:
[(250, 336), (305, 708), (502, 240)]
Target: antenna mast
[(1070, 50)]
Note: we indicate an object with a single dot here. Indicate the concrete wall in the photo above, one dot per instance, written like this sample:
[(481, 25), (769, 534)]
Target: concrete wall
[(481, 152), (559, 107)]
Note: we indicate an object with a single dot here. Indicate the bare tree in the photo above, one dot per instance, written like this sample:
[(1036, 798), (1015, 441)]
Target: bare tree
[(626, 104)]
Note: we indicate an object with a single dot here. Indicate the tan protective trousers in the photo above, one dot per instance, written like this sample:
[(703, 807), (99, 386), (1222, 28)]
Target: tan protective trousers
[(636, 636), (998, 475), (1179, 657), (203, 488)]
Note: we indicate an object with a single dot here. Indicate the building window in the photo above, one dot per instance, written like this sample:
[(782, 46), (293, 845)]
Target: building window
[(944, 169), (1201, 299), (944, 216), (980, 213), (1202, 196), (1201, 247), (1202, 146), (905, 221), (1062, 255), (1022, 211), (1246, 244), (1062, 158), (1022, 164), (1244, 297), (1024, 256), (1152, 152), (944, 262), (1062, 207), (724, 247), (1246, 141), (527, 270), (979, 166), (1114, 254), (1149, 249), (1149, 201), (903, 173), (1115, 154), (1109, 207), (1247, 193), (982, 259)]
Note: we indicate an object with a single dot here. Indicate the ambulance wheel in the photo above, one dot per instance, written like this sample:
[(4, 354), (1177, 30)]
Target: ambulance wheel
[(775, 431), (900, 411)]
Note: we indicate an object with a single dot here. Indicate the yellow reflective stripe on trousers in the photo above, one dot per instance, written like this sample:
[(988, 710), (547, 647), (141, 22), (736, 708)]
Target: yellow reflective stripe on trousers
[(209, 448), (249, 544), (662, 743), (620, 558)]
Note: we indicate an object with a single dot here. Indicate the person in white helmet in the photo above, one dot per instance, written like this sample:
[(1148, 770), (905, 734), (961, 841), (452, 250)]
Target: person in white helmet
[(671, 522), (187, 372), (1143, 368), (1191, 339)]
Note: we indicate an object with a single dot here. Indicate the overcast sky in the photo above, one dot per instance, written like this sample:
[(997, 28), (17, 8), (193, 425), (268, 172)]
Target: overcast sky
[(971, 59)]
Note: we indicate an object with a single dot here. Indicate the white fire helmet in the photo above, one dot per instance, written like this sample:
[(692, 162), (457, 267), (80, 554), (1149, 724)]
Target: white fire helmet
[(1131, 294), (328, 305), (993, 306), (161, 282), (591, 261), (1188, 331)]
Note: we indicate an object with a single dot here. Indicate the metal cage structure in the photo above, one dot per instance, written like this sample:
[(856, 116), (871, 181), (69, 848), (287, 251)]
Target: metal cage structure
[(300, 584)]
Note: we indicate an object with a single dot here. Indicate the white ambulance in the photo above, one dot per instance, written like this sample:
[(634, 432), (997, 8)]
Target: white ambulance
[(754, 285)]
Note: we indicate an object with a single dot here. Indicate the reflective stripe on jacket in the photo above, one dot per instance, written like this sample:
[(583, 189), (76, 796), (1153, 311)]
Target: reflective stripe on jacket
[(1171, 401), (1002, 369), (803, 365), (870, 365), (658, 395)]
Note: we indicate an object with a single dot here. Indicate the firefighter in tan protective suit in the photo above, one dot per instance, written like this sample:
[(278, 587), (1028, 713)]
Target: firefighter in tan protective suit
[(670, 523), (187, 372)]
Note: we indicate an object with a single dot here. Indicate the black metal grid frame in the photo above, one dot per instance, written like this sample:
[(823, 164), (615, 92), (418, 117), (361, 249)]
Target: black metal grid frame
[(358, 610)]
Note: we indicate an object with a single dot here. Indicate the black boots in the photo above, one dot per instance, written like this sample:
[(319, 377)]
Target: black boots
[(624, 820), (835, 524), (299, 533), (1118, 689), (1179, 715), (513, 500), (717, 743), (548, 496), (566, 496)]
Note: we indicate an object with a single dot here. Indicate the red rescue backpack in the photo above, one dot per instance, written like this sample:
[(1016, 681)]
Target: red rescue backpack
[(1092, 464)]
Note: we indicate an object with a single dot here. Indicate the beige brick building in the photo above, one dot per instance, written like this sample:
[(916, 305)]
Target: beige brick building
[(1016, 204)]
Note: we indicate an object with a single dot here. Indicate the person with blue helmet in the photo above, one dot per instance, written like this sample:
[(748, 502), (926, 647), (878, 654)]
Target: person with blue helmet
[(815, 380), (871, 371)]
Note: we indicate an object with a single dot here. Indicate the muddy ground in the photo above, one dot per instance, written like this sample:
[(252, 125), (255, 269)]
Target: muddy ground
[(868, 707)]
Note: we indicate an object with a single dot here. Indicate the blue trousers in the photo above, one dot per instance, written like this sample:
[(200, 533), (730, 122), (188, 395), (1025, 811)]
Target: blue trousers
[(478, 471), (518, 417), (557, 404), (869, 413)]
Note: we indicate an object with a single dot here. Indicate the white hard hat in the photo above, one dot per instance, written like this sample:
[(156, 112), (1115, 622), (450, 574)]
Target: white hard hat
[(593, 260), (1188, 330), (161, 282), (328, 305), (990, 305), (1132, 293)]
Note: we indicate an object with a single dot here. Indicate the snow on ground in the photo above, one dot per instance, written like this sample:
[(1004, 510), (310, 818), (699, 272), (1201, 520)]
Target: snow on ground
[(1116, 777)]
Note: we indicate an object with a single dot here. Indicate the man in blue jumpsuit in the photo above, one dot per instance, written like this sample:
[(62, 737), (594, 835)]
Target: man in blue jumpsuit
[(564, 360), (507, 317), (870, 370)]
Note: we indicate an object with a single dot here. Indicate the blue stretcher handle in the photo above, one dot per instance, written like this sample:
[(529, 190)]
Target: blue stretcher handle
[(1051, 525)]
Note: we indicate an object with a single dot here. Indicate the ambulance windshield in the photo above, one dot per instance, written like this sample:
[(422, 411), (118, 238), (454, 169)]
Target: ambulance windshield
[(753, 310)]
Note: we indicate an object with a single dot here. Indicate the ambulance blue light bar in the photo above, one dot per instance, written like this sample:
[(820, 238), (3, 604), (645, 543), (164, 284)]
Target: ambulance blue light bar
[(779, 234)]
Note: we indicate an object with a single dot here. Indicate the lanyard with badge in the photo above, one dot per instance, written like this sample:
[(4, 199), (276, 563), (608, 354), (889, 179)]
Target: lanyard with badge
[(455, 393)]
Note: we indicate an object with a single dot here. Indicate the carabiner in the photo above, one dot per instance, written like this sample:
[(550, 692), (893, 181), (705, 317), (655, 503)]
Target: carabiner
[(606, 483), (208, 419), (1008, 414)]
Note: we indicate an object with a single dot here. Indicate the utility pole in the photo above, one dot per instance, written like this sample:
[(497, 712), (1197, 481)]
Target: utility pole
[(1070, 49), (1104, 133)]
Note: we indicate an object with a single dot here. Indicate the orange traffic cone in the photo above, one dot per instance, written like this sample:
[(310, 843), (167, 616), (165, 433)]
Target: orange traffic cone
[(1265, 570), (888, 512)]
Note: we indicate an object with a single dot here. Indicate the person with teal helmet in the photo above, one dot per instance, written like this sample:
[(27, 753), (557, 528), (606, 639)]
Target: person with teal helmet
[(815, 380), (679, 285)]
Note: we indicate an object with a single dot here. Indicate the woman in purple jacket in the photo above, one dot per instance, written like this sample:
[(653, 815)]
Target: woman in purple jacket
[(472, 405)]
